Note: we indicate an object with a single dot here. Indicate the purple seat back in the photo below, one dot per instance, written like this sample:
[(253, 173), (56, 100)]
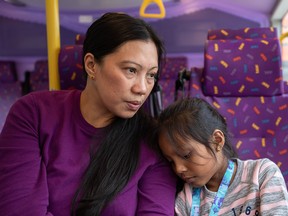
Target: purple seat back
[(39, 78), (10, 88), (8, 72), (285, 83), (242, 79), (168, 77), (71, 71), (79, 39), (243, 67)]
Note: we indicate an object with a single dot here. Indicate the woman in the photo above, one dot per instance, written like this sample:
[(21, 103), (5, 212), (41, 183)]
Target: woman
[(193, 136), (87, 152)]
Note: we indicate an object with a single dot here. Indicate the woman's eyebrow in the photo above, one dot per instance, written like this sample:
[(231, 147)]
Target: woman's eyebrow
[(139, 65)]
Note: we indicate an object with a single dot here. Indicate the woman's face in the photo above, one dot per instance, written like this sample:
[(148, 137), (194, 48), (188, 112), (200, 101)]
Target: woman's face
[(124, 79), (191, 161)]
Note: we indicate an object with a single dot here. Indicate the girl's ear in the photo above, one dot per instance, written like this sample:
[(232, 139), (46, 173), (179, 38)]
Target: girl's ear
[(90, 65), (218, 139)]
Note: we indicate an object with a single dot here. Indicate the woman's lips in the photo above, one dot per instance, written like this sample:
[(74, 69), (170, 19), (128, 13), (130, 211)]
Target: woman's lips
[(134, 105)]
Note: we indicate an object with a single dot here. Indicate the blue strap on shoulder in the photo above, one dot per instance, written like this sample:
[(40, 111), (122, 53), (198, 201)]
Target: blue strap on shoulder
[(218, 200)]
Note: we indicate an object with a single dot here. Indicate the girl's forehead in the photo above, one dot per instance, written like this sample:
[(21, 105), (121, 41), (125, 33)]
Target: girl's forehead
[(178, 141)]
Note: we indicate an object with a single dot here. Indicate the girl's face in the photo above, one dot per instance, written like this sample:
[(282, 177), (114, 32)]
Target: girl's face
[(193, 162), (123, 80)]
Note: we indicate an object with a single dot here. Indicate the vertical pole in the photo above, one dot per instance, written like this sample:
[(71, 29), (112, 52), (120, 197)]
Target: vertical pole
[(53, 42)]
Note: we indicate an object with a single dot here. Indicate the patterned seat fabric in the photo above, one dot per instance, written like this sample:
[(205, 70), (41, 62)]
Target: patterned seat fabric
[(79, 39), (285, 83), (236, 65), (243, 80), (39, 78), (172, 66), (71, 72), (10, 88), (252, 33)]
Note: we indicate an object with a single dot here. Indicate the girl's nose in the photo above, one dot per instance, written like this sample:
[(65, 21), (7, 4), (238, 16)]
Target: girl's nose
[(180, 168)]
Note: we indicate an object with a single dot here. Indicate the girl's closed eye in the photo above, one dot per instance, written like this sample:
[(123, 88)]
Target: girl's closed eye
[(187, 156)]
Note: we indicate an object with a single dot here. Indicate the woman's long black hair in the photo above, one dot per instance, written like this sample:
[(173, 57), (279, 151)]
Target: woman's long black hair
[(116, 159)]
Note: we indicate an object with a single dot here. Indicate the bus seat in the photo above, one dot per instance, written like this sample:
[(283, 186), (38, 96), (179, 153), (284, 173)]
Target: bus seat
[(285, 83), (244, 33), (171, 67), (39, 78), (10, 88), (71, 72), (238, 64), (243, 80), (79, 39)]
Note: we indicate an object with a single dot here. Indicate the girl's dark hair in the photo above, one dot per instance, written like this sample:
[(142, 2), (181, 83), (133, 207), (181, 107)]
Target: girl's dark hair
[(197, 119), (116, 159)]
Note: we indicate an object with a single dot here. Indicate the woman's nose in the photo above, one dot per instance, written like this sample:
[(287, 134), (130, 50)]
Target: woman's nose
[(140, 86)]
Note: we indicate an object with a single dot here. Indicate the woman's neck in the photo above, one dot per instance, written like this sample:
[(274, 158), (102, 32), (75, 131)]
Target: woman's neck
[(92, 113)]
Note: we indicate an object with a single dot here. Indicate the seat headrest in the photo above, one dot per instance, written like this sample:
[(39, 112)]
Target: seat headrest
[(247, 67), (252, 33), (79, 39), (71, 73), (40, 71), (8, 72)]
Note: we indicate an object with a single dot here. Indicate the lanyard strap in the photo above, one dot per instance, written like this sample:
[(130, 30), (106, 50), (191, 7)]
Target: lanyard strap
[(218, 200)]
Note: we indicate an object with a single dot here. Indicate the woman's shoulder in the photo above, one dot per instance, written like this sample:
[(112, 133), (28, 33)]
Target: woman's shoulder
[(151, 159), (47, 98), (148, 153), (50, 95), (44, 104)]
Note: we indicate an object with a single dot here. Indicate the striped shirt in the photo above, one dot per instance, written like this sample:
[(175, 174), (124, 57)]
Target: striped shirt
[(257, 189)]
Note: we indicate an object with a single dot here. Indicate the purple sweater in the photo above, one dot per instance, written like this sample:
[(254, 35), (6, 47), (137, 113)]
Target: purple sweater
[(44, 151)]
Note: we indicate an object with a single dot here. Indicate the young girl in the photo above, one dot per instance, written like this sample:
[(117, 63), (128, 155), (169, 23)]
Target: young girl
[(193, 136)]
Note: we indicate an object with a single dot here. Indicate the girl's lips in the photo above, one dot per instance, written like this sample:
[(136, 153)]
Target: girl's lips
[(189, 179)]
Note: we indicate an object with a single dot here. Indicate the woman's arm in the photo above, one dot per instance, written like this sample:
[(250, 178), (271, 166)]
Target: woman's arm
[(23, 182), (156, 191)]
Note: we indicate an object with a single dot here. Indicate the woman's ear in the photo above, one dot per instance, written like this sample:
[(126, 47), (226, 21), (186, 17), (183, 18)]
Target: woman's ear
[(89, 64), (218, 139)]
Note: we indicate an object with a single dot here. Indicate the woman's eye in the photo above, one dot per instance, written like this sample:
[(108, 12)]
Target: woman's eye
[(186, 157), (151, 76), (132, 70)]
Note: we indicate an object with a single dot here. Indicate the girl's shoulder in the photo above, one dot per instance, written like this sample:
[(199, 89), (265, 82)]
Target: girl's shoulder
[(259, 171), (257, 164)]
